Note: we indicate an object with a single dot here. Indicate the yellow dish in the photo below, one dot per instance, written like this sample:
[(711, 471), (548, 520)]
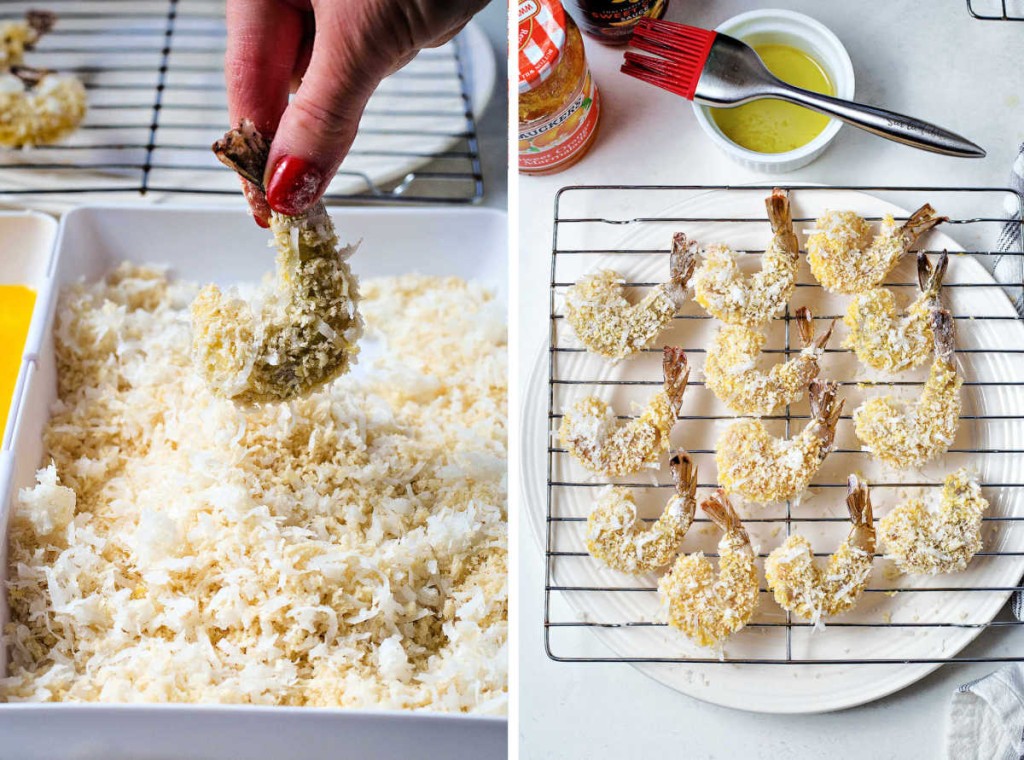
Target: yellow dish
[(16, 304), (772, 126)]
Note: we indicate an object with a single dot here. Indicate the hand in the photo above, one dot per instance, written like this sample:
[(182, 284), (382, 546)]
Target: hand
[(336, 52)]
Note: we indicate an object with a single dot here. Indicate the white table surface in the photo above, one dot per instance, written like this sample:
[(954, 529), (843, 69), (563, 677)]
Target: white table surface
[(927, 59)]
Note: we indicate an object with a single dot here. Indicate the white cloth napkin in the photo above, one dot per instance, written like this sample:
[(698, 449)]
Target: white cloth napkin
[(986, 717)]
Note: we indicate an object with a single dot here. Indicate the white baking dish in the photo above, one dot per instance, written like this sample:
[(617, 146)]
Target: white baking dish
[(26, 247), (224, 246)]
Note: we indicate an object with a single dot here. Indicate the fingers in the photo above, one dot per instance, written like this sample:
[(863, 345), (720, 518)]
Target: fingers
[(263, 41)]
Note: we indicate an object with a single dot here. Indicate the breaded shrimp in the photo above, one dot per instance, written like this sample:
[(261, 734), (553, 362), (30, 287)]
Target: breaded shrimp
[(592, 435), (726, 293), (18, 36), (886, 340), (923, 540), (765, 469), (38, 107), (304, 331), (616, 537), (809, 591), (844, 258), (908, 435), (731, 372), (609, 325), (706, 606)]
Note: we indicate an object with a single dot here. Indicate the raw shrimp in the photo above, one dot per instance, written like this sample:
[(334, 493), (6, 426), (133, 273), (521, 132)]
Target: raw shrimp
[(765, 469), (616, 537), (730, 369), (927, 541), (38, 107), (18, 36), (708, 607), (592, 435), (886, 340), (812, 592), (609, 325), (845, 259), (725, 292), (908, 435), (303, 331)]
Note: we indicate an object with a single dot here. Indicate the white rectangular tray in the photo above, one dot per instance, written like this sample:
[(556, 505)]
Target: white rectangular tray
[(225, 246)]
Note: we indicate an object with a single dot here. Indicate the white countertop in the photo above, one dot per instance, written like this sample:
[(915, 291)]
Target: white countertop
[(930, 60)]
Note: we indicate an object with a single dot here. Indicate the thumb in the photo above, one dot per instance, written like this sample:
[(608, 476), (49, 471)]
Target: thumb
[(320, 123)]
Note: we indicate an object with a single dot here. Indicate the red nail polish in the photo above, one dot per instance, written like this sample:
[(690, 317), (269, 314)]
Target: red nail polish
[(293, 186)]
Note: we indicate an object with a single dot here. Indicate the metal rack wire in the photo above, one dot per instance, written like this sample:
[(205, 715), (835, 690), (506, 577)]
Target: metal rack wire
[(586, 220), (996, 10), (154, 73)]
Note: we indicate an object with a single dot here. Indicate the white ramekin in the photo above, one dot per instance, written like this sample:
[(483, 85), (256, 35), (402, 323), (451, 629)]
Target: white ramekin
[(770, 26)]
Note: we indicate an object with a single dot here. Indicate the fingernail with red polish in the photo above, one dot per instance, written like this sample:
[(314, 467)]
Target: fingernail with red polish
[(257, 203), (294, 185)]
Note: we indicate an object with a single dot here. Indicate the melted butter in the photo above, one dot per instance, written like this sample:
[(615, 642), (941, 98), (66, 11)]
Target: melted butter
[(772, 126), (16, 302)]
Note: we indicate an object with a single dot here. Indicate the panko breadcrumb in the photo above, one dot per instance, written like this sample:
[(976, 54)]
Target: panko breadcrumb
[(345, 549), (39, 110)]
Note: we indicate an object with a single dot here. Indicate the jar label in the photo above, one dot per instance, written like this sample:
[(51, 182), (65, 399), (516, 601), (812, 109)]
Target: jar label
[(547, 144)]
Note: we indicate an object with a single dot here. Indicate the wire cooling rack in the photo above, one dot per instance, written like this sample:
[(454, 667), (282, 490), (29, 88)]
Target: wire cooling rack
[(997, 10), (628, 228), (154, 73)]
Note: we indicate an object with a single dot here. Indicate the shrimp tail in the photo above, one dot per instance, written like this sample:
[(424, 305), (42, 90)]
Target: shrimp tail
[(245, 151), (676, 370), (930, 278), (920, 222), (824, 409), (720, 510), (945, 335), (41, 23), (858, 502), (781, 219), (805, 324), (682, 263), (684, 474)]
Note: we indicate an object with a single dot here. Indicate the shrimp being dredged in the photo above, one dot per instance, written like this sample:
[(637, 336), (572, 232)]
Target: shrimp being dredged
[(731, 371), (812, 592), (16, 37), (926, 540), (616, 537), (765, 469), (299, 333), (609, 325), (706, 606), (595, 439), (887, 340), (844, 257), (909, 435), (726, 293)]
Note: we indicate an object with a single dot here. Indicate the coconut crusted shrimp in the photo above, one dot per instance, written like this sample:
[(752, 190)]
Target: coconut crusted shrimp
[(730, 369), (885, 340), (844, 258), (616, 537), (726, 293), (765, 469), (38, 107), (926, 541), (909, 435), (18, 36), (591, 434), (609, 325), (706, 607), (304, 332), (813, 592)]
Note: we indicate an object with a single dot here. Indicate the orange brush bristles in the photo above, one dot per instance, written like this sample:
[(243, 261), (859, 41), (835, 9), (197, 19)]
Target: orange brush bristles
[(682, 50)]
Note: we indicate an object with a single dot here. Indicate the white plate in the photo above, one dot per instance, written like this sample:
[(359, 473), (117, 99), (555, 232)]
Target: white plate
[(224, 246), (788, 688)]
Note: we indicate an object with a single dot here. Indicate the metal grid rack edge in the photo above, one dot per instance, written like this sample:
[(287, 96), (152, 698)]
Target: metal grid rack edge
[(550, 555), (457, 181), (1003, 15)]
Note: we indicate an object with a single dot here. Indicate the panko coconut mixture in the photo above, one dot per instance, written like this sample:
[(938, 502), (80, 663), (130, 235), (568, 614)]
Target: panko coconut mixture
[(347, 549)]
